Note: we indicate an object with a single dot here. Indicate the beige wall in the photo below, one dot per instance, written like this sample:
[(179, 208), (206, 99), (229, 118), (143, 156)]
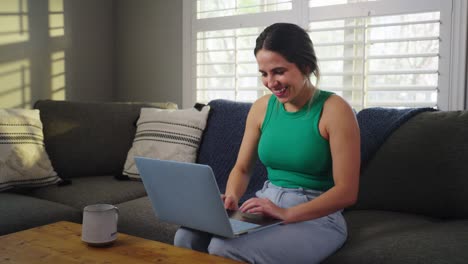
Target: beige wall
[(59, 49), (90, 50), (149, 50), (101, 50)]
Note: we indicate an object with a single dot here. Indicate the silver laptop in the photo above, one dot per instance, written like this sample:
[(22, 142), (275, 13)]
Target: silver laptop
[(187, 194)]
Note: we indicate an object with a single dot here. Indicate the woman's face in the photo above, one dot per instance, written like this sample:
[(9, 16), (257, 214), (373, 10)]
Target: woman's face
[(283, 78)]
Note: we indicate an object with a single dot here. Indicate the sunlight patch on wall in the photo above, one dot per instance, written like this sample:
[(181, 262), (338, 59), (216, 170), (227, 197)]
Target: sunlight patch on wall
[(15, 88), (57, 58), (56, 18), (13, 21), (57, 72)]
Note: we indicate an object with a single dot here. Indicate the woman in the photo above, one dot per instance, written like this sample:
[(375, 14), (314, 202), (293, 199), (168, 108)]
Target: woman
[(309, 141)]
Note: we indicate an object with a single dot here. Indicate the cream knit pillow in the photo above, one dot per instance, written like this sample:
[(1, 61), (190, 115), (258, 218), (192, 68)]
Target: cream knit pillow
[(23, 158), (167, 134)]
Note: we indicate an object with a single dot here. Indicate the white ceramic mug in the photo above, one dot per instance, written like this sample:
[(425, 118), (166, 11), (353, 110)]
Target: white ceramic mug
[(100, 224)]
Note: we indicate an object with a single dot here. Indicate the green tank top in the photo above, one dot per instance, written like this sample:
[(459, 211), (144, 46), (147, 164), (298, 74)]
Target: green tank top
[(291, 147)]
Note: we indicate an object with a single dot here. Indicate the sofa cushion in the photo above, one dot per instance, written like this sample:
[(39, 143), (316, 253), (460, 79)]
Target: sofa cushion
[(221, 142), (168, 135), (91, 190), (137, 218), (421, 168), (89, 138), (23, 158), (19, 212), (377, 123), (391, 237)]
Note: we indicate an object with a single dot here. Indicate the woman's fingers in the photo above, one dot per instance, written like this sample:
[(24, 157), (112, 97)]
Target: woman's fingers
[(251, 204), (229, 202), (263, 206)]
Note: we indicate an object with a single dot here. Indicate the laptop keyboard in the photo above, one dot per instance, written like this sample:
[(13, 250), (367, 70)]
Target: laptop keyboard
[(239, 226)]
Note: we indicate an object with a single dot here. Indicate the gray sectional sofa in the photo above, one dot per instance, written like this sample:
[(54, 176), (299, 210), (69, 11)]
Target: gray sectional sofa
[(412, 206)]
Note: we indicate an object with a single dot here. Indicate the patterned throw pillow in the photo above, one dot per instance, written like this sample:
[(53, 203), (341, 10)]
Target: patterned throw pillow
[(167, 134), (23, 159)]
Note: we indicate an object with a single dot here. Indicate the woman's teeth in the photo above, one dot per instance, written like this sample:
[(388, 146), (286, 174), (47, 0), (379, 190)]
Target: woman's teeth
[(280, 92)]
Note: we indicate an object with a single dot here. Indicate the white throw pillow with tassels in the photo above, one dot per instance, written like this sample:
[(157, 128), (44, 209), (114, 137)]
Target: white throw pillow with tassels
[(168, 135), (23, 158)]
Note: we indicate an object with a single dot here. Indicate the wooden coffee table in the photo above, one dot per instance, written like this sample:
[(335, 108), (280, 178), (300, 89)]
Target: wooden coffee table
[(61, 243)]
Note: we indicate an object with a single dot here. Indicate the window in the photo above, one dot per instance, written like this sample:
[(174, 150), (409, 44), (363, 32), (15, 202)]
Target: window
[(389, 61), (226, 67), (222, 8), (389, 53)]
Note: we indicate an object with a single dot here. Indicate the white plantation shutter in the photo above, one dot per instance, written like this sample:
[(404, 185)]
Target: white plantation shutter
[(222, 8), (317, 3), (389, 61), (389, 53), (226, 67)]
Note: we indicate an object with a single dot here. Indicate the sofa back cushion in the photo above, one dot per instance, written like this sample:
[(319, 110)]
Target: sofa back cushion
[(421, 168), (89, 138), (221, 142)]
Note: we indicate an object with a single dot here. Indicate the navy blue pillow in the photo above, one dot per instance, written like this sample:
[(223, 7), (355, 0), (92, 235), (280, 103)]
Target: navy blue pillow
[(221, 142)]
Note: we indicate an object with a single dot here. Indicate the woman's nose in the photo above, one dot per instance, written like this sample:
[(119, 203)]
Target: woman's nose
[(271, 82)]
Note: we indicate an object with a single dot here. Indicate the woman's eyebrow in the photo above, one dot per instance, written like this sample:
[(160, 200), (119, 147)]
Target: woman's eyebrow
[(274, 69), (279, 68)]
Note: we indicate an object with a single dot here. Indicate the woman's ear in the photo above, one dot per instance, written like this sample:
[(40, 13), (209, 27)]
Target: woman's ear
[(307, 71)]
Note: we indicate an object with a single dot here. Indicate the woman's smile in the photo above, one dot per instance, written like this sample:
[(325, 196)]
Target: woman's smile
[(283, 79), (280, 92)]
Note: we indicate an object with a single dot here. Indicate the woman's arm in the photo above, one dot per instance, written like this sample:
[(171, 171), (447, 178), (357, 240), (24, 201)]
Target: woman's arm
[(240, 174), (338, 124)]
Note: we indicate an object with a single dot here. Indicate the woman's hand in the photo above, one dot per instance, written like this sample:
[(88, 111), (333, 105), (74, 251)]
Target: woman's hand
[(263, 206), (230, 202)]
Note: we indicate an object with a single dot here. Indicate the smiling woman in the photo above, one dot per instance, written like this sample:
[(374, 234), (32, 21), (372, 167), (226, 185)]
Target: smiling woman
[(283, 78), (287, 63), (308, 140)]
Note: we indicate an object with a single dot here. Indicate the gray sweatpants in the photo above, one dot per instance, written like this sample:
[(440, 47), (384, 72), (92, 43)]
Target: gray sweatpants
[(303, 242)]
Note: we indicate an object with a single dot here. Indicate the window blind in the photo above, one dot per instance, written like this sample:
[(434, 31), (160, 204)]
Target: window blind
[(388, 53), (389, 61), (221, 8), (226, 66)]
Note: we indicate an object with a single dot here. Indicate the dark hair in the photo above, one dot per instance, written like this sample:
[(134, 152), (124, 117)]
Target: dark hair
[(293, 43)]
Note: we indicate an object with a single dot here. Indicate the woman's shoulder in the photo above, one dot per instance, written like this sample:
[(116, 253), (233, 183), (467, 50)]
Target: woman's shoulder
[(336, 108), (264, 99), (258, 109), (261, 103), (337, 103)]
